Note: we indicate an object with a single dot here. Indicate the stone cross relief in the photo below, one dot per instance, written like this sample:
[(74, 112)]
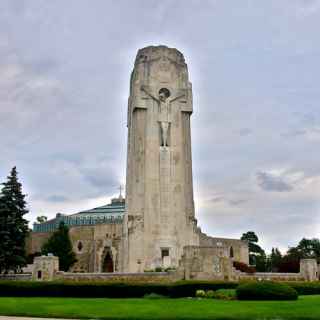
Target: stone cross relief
[(164, 104)]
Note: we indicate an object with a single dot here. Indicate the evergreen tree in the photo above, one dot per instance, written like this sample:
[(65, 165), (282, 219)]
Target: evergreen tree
[(275, 260), (59, 244), (13, 227), (257, 256)]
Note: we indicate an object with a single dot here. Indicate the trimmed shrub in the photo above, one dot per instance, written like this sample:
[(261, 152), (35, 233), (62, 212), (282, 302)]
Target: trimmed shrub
[(209, 294), (79, 289), (225, 294), (200, 294), (266, 290), (182, 289), (243, 267), (305, 288)]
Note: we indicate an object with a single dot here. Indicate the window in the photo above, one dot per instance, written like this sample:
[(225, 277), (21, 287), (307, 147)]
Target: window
[(231, 252), (80, 246), (39, 275), (164, 253)]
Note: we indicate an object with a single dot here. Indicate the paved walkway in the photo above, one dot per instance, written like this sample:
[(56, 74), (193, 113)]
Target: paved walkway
[(27, 318)]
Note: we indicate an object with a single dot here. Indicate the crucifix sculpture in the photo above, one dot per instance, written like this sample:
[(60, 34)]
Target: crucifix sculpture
[(164, 110)]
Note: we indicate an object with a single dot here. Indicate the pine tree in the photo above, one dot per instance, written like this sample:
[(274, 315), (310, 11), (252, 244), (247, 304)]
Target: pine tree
[(59, 244), (275, 259), (257, 256), (13, 227)]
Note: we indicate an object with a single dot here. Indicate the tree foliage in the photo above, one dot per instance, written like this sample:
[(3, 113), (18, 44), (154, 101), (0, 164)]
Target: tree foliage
[(41, 219), (274, 260), (59, 244), (257, 256), (306, 249), (13, 226)]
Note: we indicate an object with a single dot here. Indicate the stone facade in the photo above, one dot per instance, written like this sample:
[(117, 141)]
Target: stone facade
[(206, 263), (309, 269), (96, 247)]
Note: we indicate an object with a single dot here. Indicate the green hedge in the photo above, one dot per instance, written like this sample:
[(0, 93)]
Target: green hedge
[(305, 288), (106, 289), (126, 290), (266, 290)]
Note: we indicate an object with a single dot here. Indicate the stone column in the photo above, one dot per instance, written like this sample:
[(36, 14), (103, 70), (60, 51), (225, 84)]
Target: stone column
[(309, 269)]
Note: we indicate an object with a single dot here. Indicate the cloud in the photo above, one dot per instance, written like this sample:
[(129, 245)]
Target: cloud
[(245, 132), (237, 202), (57, 198), (217, 199), (225, 200), (307, 7), (270, 182)]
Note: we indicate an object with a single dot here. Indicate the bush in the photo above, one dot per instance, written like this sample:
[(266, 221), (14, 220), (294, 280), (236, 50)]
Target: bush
[(182, 289), (209, 294), (243, 267), (266, 290), (200, 294), (305, 288), (225, 294)]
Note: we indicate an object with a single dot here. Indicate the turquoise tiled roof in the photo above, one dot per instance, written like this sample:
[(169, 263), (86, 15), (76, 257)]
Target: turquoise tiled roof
[(108, 214)]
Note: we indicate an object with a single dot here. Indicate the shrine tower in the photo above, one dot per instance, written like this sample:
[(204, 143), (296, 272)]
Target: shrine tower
[(159, 219)]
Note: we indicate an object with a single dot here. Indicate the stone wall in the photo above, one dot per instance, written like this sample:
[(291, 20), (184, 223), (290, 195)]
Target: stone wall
[(237, 249), (36, 240), (16, 276), (145, 277), (271, 276), (91, 245), (206, 263), (214, 263)]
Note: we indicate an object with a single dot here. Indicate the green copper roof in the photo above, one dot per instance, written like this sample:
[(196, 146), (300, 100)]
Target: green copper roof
[(107, 214)]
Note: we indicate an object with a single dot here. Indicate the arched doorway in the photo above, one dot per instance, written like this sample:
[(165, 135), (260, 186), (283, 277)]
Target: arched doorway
[(107, 262)]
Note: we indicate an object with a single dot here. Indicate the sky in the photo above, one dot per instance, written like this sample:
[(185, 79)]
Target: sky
[(255, 69)]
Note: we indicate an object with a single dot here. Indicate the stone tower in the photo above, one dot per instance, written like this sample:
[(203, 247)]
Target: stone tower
[(159, 218)]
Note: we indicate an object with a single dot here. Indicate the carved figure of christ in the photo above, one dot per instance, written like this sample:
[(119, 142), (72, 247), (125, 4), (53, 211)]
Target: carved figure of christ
[(164, 111)]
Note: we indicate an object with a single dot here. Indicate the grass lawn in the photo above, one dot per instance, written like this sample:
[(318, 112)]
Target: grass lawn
[(306, 307)]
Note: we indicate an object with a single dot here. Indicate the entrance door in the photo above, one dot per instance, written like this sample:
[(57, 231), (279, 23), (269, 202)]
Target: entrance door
[(107, 265)]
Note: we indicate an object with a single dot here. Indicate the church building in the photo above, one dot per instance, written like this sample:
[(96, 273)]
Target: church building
[(155, 226)]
